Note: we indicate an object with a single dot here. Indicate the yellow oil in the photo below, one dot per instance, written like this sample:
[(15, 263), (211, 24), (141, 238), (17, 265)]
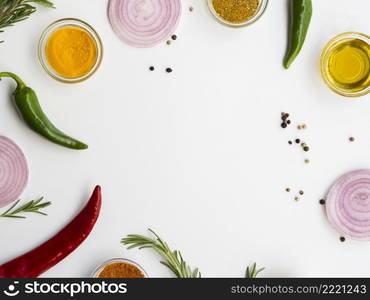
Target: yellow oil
[(348, 65)]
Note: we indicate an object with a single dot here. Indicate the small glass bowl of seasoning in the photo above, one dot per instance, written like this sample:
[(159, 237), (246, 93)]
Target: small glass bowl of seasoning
[(119, 268), (70, 50), (345, 64), (237, 13)]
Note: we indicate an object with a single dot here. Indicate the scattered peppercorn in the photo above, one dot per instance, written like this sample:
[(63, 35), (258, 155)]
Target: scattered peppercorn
[(296, 198), (284, 125), (288, 122), (307, 161), (342, 239), (169, 42), (299, 127), (168, 70), (351, 139), (174, 37), (322, 202), (191, 9), (287, 190), (151, 68), (306, 149), (301, 192), (304, 126), (290, 142), (297, 141)]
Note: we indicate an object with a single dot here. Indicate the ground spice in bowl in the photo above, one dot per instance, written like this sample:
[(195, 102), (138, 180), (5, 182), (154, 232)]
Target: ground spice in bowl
[(119, 268), (237, 12)]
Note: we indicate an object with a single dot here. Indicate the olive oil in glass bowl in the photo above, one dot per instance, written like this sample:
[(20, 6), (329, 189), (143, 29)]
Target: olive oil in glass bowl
[(345, 64)]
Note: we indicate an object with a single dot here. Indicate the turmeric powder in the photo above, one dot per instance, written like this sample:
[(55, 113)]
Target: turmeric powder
[(71, 52)]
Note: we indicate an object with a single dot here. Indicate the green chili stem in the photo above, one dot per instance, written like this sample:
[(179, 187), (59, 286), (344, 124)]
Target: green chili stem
[(19, 81)]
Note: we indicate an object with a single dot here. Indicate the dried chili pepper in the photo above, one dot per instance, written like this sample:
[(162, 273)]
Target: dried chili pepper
[(29, 108), (42, 258), (300, 18)]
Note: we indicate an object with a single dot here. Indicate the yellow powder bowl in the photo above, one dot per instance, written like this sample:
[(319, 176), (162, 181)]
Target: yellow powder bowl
[(241, 17), (345, 64), (70, 50)]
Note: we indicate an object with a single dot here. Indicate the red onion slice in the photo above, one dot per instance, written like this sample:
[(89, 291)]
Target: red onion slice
[(144, 23), (348, 205), (13, 171)]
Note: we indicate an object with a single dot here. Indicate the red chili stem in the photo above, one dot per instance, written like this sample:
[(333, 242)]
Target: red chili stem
[(47, 255)]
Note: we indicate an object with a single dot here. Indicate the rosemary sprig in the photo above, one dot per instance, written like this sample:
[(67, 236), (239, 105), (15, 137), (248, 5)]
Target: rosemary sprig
[(32, 206), (13, 11), (172, 259), (253, 271)]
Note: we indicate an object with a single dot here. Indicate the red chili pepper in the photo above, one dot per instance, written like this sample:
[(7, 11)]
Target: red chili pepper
[(42, 258)]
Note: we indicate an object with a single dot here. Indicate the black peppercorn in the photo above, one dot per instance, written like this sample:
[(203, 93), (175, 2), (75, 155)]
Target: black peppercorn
[(174, 37), (290, 142), (342, 239), (151, 68), (322, 202), (297, 141), (168, 70), (306, 149)]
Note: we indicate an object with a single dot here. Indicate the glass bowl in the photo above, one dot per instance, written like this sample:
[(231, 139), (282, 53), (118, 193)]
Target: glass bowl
[(68, 22), (100, 268), (261, 9), (324, 63)]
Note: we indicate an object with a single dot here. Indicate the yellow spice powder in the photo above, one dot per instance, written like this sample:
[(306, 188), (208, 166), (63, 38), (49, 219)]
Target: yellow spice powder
[(236, 11), (71, 52)]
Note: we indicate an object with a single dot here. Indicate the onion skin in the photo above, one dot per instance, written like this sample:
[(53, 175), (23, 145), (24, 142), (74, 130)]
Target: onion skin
[(348, 205), (13, 171), (144, 23)]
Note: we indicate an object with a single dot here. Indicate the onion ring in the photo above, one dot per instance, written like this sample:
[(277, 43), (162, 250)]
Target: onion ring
[(13, 171), (348, 205), (144, 23)]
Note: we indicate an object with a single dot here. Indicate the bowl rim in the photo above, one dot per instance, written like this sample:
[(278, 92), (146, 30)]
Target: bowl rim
[(261, 10), (69, 22), (324, 56), (99, 268)]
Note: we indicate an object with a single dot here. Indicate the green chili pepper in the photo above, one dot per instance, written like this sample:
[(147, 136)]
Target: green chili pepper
[(300, 18), (31, 112)]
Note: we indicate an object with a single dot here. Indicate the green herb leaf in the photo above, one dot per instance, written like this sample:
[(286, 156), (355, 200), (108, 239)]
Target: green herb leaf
[(14, 11), (252, 272), (172, 259), (33, 206)]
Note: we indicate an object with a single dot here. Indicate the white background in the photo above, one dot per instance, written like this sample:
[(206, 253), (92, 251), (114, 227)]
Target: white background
[(198, 155)]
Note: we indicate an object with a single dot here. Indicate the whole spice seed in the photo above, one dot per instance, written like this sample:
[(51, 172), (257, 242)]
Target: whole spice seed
[(191, 9), (307, 161), (342, 239), (284, 125), (351, 139), (301, 192), (290, 142), (168, 70), (169, 42), (236, 11), (151, 68), (297, 141), (287, 190), (296, 198), (322, 202), (288, 122), (306, 149), (174, 37)]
